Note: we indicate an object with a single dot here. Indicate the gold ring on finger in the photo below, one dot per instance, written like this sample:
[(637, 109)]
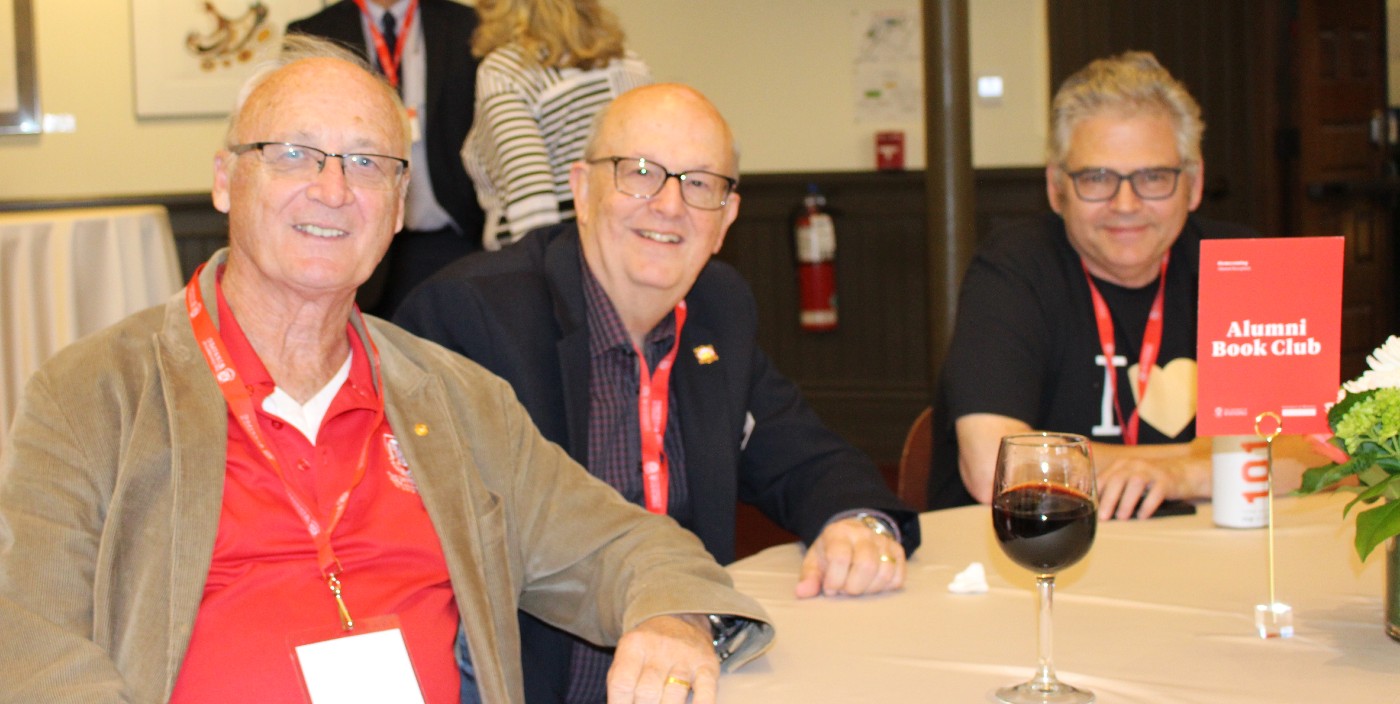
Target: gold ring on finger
[(676, 680)]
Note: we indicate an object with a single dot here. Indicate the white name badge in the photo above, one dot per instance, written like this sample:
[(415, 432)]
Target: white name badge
[(370, 667), (415, 125)]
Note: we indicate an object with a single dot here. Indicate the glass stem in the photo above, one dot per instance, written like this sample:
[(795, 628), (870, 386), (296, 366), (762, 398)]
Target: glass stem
[(1045, 591)]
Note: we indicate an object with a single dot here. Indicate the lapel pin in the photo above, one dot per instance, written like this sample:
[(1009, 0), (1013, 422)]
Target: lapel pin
[(705, 354)]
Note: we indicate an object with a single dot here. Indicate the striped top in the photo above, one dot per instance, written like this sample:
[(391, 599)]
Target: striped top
[(531, 123)]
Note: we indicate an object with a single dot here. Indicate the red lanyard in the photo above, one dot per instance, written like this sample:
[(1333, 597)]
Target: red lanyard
[(653, 406), (240, 402), (1151, 344), (390, 64)]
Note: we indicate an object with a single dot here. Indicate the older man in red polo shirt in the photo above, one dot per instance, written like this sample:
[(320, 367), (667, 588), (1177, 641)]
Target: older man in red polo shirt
[(255, 494)]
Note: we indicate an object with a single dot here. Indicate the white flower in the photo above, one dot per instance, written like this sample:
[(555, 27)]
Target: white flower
[(1384, 372)]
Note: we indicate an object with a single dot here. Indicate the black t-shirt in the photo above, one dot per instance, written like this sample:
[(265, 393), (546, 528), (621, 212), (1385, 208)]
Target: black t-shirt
[(1025, 345)]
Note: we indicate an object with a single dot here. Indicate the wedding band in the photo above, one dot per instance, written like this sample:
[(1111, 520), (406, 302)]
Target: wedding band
[(676, 680), (886, 558)]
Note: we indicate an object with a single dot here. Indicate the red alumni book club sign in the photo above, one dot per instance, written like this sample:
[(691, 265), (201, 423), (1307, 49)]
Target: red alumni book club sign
[(1268, 334)]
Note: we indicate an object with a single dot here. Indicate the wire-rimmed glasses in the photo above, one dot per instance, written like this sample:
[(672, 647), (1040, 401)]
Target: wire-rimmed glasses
[(642, 178), (298, 161)]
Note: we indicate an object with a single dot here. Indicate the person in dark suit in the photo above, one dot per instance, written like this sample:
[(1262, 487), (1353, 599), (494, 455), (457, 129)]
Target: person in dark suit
[(424, 48), (565, 314)]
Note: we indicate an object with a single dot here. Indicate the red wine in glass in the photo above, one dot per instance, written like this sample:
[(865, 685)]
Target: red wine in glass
[(1044, 527), (1044, 512)]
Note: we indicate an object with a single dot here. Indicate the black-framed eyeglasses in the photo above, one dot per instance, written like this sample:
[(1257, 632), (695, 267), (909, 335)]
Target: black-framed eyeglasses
[(640, 178), (298, 161), (1098, 185)]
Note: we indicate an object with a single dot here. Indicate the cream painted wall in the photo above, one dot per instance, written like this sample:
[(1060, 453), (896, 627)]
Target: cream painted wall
[(780, 69), (1009, 39), (85, 70)]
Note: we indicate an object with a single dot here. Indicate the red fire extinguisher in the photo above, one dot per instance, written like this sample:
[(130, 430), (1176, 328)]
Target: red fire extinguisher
[(816, 264)]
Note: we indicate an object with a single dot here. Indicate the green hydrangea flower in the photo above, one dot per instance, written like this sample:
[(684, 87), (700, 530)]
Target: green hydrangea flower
[(1375, 419), (1366, 423)]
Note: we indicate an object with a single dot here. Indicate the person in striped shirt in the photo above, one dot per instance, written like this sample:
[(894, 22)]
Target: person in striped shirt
[(548, 67)]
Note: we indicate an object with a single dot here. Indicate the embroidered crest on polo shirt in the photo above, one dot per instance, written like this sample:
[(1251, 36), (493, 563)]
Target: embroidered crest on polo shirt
[(398, 472)]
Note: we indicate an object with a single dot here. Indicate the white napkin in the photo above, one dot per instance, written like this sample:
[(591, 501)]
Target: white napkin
[(972, 580)]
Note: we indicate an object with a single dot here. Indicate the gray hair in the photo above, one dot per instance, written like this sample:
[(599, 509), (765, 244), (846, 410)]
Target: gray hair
[(300, 47), (1130, 83)]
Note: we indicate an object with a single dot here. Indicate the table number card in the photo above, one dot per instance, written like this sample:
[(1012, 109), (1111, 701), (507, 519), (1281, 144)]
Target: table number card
[(1269, 333)]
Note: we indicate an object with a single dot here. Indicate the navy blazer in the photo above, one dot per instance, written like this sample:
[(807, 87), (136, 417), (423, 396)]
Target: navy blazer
[(520, 312), (449, 97)]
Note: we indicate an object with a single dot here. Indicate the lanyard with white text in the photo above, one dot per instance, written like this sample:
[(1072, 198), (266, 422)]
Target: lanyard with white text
[(390, 63), (653, 406), (1151, 344), (240, 402)]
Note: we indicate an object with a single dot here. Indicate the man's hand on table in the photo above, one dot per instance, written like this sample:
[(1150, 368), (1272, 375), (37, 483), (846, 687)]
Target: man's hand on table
[(1182, 471), (851, 559), (1135, 480), (662, 660), (1133, 487)]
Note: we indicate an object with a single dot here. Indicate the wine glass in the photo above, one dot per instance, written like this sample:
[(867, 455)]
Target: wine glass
[(1044, 509)]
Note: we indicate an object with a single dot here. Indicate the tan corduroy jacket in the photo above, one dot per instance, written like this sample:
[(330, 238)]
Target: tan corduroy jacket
[(110, 497)]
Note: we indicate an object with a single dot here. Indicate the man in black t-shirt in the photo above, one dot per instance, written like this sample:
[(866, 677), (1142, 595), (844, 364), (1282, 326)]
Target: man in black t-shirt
[(1055, 314)]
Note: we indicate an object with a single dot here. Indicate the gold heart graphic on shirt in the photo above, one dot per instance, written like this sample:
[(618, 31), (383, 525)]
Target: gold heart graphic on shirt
[(1171, 396)]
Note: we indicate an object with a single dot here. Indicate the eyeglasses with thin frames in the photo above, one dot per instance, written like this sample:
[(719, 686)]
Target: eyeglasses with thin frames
[(300, 162), (641, 178), (1099, 185)]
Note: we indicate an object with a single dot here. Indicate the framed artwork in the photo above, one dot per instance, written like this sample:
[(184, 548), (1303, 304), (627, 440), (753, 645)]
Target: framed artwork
[(192, 55), (19, 91)]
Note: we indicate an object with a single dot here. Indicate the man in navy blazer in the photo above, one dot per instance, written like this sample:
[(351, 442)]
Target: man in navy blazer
[(443, 219), (549, 312)]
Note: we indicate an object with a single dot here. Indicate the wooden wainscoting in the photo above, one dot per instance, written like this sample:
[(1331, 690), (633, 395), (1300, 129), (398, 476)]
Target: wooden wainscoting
[(869, 378)]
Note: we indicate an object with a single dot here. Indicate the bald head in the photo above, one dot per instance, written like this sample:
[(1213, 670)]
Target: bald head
[(660, 102), (330, 82), (305, 59)]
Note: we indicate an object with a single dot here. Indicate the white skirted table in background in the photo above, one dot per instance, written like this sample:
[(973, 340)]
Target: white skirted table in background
[(1159, 611), (68, 273)]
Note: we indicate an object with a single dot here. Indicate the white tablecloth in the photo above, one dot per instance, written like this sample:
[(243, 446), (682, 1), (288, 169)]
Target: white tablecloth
[(1160, 611), (68, 273)]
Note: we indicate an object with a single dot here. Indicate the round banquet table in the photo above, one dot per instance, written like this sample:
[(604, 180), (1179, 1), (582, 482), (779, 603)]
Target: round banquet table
[(1161, 610), (69, 273)]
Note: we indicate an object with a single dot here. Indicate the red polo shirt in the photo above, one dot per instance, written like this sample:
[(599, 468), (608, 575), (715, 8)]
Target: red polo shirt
[(264, 587)]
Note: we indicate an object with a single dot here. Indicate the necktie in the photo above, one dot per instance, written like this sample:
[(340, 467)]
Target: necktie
[(390, 31)]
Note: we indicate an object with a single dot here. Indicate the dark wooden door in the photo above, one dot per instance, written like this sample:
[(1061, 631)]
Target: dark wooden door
[(1229, 56), (1342, 180)]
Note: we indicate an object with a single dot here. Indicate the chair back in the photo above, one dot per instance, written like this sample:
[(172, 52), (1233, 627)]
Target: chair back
[(914, 462)]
